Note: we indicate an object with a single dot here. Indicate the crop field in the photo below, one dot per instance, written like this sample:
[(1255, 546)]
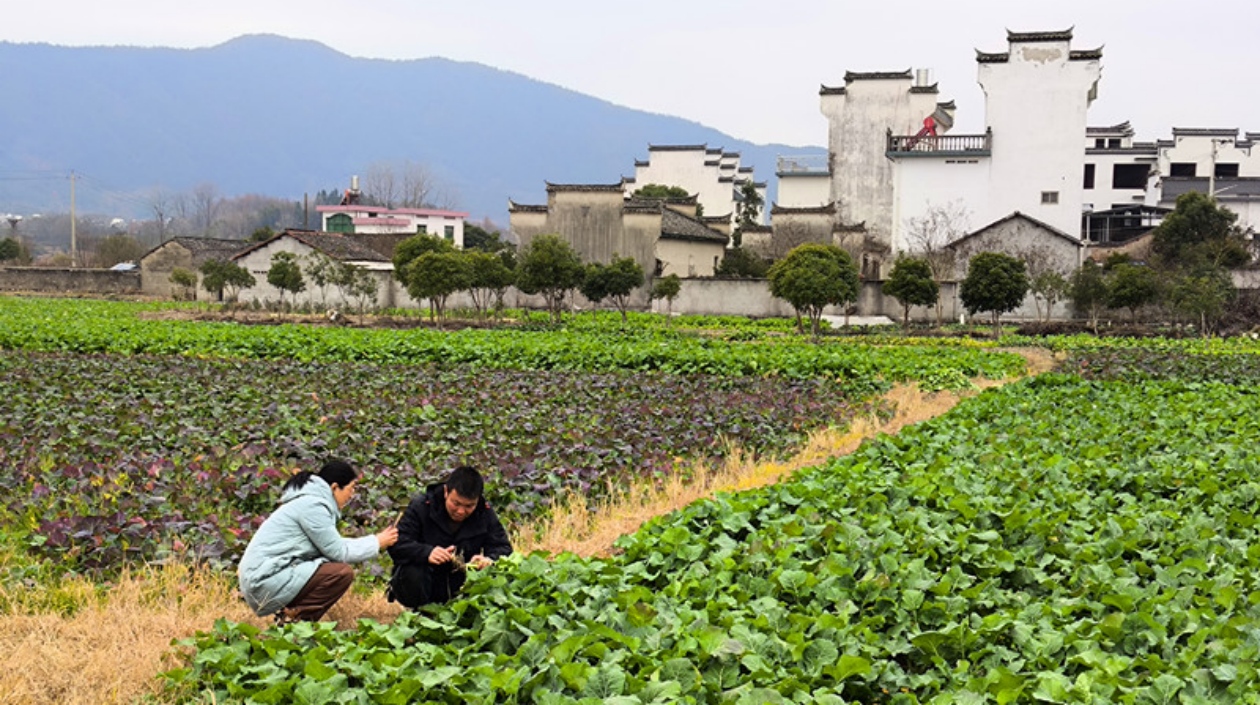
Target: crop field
[(1068, 539), (1086, 536)]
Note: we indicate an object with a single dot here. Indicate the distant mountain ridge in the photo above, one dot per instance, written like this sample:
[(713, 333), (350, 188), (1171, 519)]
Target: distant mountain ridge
[(282, 117)]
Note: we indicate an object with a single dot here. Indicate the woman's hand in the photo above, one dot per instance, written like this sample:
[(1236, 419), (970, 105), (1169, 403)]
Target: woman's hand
[(480, 561), (387, 538)]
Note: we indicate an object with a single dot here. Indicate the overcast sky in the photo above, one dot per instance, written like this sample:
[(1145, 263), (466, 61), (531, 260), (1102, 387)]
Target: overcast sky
[(750, 69)]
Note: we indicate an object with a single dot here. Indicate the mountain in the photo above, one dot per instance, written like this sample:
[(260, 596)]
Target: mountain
[(268, 115)]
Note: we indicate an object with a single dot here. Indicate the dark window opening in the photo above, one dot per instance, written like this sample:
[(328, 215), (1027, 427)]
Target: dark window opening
[(1182, 169), (1099, 143), (1226, 171), (1129, 175), (1089, 176), (1113, 143), (1049, 197)]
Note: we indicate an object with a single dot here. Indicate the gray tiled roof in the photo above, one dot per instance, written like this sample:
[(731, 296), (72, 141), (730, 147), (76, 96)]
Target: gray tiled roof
[(1023, 216), (1060, 36), (677, 147), (618, 187), (335, 245), (676, 226), (850, 76), (205, 249), (829, 209), (514, 207)]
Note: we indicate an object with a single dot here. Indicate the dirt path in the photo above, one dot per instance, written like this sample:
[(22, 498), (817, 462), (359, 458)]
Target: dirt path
[(585, 532)]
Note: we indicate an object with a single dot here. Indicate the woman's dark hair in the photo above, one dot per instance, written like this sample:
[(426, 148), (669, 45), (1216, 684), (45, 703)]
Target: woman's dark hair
[(334, 472), (466, 482)]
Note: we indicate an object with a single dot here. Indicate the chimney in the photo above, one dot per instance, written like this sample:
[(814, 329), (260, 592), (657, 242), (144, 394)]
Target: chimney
[(354, 183), (922, 77)]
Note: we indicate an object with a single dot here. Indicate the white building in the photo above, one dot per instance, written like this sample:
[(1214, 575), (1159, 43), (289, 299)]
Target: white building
[(306, 245), (1030, 158), (714, 176), (377, 220)]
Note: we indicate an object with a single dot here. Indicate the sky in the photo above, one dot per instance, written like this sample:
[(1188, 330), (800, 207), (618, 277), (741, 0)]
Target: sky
[(750, 69)]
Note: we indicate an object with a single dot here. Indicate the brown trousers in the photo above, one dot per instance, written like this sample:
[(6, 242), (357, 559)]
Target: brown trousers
[(321, 592)]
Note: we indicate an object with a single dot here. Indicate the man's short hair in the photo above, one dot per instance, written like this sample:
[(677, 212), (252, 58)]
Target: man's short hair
[(466, 482)]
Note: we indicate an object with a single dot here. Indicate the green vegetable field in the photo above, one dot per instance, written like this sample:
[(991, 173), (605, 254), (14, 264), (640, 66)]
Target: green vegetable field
[(1061, 540), (1084, 536)]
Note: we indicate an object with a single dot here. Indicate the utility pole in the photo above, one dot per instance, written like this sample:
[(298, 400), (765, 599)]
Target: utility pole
[(74, 240)]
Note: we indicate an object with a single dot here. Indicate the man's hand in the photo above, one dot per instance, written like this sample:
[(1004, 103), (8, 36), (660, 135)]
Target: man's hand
[(480, 561), (387, 538), (440, 555)]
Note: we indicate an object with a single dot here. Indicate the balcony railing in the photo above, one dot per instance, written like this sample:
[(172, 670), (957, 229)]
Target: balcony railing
[(940, 145), (802, 164)]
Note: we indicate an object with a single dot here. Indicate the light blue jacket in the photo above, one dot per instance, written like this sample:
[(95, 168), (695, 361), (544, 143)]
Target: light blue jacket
[(292, 543)]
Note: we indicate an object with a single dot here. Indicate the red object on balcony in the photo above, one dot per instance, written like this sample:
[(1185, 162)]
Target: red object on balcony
[(928, 130)]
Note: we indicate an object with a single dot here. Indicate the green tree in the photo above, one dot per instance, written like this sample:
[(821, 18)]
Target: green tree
[(739, 263), (661, 191), (551, 267), (1048, 287), (1200, 233), (1088, 291), (1203, 295), (747, 211), (616, 281), (262, 234), (186, 280), (286, 274), (322, 270), (478, 238), (356, 284), (812, 277), (220, 278), (667, 287), (594, 285), (996, 283), (1132, 286), (10, 249), (489, 276), (911, 283), (118, 247), (437, 275), (410, 249)]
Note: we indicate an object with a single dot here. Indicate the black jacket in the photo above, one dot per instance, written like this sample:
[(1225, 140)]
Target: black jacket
[(426, 524)]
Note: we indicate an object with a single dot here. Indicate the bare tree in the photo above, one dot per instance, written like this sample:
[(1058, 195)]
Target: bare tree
[(1047, 277), (404, 185), (785, 237), (206, 203), (162, 205), (930, 236)]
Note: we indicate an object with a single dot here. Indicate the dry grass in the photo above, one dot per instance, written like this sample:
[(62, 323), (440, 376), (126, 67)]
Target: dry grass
[(111, 650), (575, 528)]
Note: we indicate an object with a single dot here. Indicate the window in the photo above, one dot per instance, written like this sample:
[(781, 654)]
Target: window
[(1089, 176), (1049, 197), (1181, 169), (1226, 171), (1129, 176), (449, 232), (1113, 143), (340, 223), (1099, 143), (422, 229)]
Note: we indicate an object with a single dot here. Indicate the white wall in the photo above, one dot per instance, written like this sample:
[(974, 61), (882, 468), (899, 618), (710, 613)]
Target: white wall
[(1036, 105), (924, 183), (686, 169), (858, 122), (804, 191)]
